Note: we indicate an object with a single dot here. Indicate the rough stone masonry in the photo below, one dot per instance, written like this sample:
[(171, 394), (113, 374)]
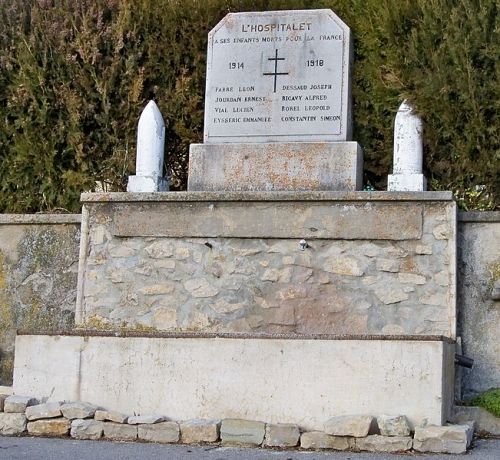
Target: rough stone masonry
[(191, 262)]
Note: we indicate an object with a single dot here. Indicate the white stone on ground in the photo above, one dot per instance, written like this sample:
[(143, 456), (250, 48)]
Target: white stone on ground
[(119, 431), (18, 404), (378, 443), (78, 410), (242, 432), (281, 435), (321, 440), (110, 415), (357, 426), (145, 419), (393, 425), (47, 410), (12, 424), (451, 439), (195, 431), (86, 429), (159, 432), (49, 427)]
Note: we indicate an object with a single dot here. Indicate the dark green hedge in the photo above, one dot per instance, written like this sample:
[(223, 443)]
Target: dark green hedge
[(74, 76)]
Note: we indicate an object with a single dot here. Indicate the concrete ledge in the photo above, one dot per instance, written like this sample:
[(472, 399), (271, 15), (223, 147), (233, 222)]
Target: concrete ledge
[(479, 216), (37, 219), (304, 382), (81, 332), (123, 197), (276, 166)]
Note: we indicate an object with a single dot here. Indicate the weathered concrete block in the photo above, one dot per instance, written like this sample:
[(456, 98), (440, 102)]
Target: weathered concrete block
[(242, 432), (485, 422), (393, 425), (12, 424), (145, 419), (47, 410), (195, 431), (18, 404), (321, 440), (281, 435), (110, 415), (451, 439), (357, 426), (119, 431), (86, 429), (276, 166), (378, 443), (79, 409), (159, 432), (50, 427), (325, 367)]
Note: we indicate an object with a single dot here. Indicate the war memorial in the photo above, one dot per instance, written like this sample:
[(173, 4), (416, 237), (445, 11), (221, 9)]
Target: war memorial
[(274, 302)]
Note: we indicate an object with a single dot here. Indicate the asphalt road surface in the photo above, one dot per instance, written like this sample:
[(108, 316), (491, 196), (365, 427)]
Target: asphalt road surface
[(62, 449)]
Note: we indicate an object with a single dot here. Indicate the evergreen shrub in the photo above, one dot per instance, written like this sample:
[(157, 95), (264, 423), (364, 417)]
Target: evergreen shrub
[(75, 75)]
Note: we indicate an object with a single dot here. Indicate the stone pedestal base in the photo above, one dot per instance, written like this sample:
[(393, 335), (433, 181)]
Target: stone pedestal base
[(147, 184), (335, 166), (407, 183), (279, 379)]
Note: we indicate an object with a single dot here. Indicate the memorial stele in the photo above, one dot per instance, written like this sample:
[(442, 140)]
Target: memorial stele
[(278, 78)]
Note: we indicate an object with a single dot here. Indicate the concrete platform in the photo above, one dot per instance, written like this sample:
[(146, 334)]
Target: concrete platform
[(276, 379)]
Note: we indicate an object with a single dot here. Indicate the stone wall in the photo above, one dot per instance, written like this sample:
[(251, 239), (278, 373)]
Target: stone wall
[(479, 313), (376, 263), (38, 284), (38, 273)]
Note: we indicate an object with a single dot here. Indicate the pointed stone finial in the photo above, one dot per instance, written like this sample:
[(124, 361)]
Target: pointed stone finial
[(150, 149), (408, 152)]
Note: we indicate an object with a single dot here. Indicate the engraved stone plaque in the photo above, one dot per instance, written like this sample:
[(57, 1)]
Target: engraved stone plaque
[(281, 76)]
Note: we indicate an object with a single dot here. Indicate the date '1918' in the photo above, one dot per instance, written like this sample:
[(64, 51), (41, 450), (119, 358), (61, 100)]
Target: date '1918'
[(315, 63)]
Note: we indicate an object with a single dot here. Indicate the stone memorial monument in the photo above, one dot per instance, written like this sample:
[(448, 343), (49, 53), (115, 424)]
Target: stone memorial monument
[(278, 105), (271, 291)]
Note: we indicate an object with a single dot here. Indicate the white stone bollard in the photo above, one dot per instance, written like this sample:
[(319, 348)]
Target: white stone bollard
[(408, 152), (150, 149)]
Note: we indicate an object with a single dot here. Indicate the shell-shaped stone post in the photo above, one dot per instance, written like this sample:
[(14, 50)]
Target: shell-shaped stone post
[(408, 143), (408, 151), (150, 152), (150, 141)]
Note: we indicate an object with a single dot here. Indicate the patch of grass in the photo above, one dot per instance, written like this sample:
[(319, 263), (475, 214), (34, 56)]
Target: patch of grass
[(489, 400)]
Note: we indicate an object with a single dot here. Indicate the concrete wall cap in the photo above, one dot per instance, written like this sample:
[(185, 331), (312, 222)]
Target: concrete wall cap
[(122, 197)]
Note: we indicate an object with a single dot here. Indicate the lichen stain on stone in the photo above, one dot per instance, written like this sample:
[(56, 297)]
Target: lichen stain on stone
[(100, 323), (38, 288), (494, 269), (7, 327)]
